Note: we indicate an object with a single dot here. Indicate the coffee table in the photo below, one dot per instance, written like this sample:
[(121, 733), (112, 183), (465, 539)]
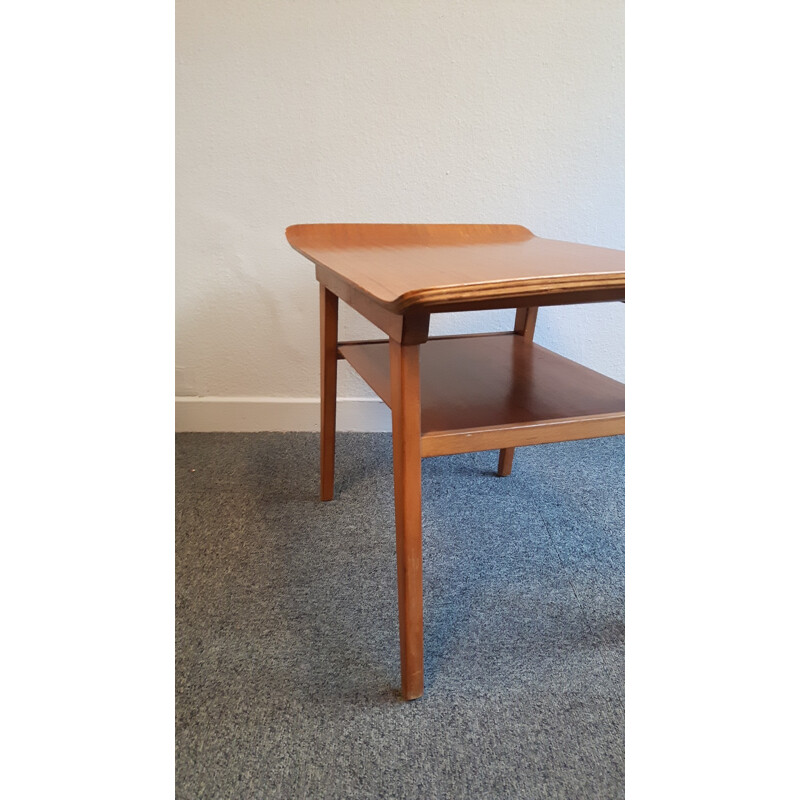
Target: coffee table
[(456, 394)]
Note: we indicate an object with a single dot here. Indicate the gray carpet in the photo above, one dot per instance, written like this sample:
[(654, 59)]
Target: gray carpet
[(287, 656)]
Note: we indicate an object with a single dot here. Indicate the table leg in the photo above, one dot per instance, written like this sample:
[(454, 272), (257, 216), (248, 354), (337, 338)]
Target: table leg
[(406, 441), (524, 325), (505, 462), (328, 338)]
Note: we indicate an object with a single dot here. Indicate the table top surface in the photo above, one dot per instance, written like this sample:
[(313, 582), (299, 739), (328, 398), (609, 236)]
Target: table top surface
[(405, 267)]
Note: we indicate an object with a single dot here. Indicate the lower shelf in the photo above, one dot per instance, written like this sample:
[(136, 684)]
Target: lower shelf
[(488, 392)]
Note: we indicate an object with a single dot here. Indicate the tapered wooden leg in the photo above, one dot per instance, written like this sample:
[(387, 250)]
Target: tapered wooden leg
[(328, 335), (524, 325), (406, 433), (505, 462)]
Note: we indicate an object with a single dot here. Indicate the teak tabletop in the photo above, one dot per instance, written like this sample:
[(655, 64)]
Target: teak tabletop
[(458, 393), (413, 268)]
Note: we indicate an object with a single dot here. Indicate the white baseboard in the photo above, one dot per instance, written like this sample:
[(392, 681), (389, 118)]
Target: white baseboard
[(252, 414)]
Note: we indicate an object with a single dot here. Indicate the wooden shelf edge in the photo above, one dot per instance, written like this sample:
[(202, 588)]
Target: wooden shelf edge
[(470, 440)]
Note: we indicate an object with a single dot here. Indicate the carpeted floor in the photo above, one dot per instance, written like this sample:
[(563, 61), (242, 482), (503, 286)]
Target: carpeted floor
[(287, 656)]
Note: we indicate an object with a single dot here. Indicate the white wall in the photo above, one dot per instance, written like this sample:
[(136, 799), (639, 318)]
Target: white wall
[(293, 111)]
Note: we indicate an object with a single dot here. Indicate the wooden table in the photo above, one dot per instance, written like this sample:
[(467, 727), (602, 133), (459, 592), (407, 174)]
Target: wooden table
[(457, 394)]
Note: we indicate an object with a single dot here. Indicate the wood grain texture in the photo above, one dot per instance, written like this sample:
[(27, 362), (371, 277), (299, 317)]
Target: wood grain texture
[(483, 381), (414, 268), (405, 382), (328, 333)]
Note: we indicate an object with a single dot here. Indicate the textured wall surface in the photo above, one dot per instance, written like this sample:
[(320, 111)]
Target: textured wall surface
[(293, 111)]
